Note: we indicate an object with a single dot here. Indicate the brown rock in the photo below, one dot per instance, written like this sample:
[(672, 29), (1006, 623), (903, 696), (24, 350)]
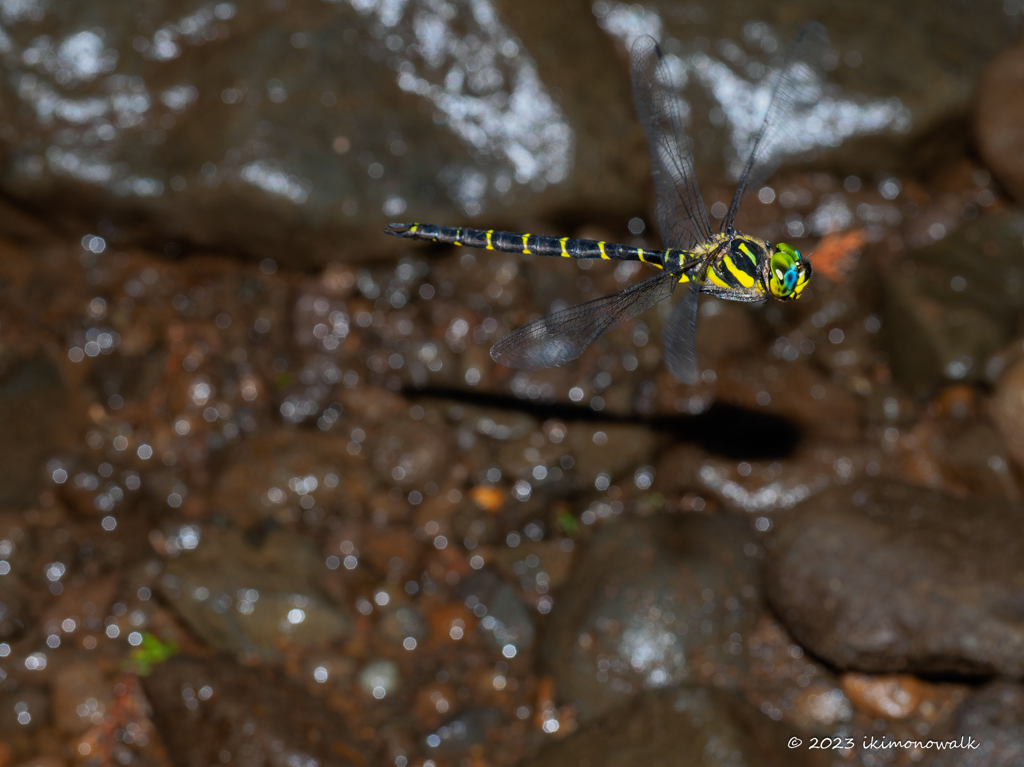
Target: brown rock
[(993, 720), (82, 697), (204, 709), (881, 576), (686, 726), (1007, 410), (245, 490), (999, 118), (653, 603), (33, 409)]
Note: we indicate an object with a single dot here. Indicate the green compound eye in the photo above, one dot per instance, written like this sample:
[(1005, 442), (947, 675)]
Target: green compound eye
[(789, 272)]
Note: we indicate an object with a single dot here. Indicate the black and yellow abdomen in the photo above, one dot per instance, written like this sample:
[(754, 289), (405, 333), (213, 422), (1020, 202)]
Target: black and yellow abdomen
[(529, 244)]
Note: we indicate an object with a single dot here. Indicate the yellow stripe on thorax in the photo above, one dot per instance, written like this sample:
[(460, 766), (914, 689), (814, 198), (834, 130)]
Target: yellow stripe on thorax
[(526, 247), (713, 277), (489, 233), (742, 277), (751, 256), (565, 253)]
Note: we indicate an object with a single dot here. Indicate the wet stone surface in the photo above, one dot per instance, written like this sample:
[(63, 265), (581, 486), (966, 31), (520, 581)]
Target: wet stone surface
[(653, 604), (994, 720), (998, 116), (687, 725), (254, 128), (208, 709), (950, 309), (1008, 410), (33, 409), (949, 569), (251, 602)]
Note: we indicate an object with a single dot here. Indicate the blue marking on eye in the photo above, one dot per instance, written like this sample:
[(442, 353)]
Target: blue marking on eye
[(790, 278)]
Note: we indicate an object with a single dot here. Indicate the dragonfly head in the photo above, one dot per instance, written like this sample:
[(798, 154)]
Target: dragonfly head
[(788, 273)]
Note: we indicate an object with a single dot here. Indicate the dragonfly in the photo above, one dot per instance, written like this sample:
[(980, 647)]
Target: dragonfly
[(695, 259)]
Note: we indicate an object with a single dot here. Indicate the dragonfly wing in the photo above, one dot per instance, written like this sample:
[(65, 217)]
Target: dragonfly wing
[(682, 217), (798, 86), (561, 337), (679, 337)]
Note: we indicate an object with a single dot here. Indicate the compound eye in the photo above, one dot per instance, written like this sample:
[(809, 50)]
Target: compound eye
[(790, 280), (789, 250)]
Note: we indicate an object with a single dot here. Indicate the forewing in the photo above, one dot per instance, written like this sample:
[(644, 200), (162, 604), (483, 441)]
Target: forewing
[(561, 337), (679, 337), (798, 85), (682, 217)]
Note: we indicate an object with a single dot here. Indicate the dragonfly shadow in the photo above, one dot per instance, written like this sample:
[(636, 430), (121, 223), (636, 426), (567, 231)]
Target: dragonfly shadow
[(724, 430)]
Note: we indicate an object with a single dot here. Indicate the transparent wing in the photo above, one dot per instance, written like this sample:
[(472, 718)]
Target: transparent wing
[(561, 337), (679, 337), (798, 86), (682, 217)]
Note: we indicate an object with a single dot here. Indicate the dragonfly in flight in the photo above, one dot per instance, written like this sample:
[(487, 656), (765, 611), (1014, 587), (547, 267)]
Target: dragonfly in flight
[(696, 259)]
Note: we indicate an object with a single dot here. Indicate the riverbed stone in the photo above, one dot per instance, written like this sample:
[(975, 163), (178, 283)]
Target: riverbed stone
[(210, 710), (293, 132), (688, 725), (33, 410), (952, 304), (652, 604), (998, 117), (881, 576), (253, 602), (992, 721)]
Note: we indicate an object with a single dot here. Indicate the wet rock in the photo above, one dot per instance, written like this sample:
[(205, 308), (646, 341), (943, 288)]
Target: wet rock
[(994, 720), (44, 761), (948, 308), (949, 570), (796, 392), (269, 477), (264, 131), (650, 604), (24, 708), (891, 696), (979, 457), (85, 603), (463, 732), (548, 562), (409, 452), (504, 621), (81, 697), (17, 551), (252, 602), (791, 686), (726, 328), (313, 125), (998, 116), (609, 449), (33, 411), (1007, 409), (688, 725), (399, 623), (379, 678), (762, 486), (209, 709)]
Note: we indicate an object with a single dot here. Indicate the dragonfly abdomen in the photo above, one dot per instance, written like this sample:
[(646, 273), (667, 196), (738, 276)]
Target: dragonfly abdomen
[(536, 244)]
